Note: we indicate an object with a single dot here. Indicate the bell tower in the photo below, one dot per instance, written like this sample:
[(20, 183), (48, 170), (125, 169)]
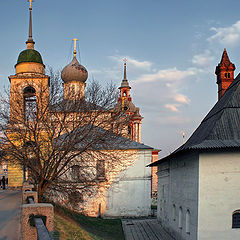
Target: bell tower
[(125, 104), (225, 74), (29, 97), (29, 85)]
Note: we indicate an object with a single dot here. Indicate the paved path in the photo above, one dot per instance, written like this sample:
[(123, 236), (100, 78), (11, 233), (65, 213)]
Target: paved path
[(144, 229), (10, 207)]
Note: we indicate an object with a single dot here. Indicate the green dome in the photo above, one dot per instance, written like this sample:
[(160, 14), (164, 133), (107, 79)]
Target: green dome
[(29, 55)]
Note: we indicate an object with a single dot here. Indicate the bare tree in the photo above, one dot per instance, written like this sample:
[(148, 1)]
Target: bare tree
[(52, 138)]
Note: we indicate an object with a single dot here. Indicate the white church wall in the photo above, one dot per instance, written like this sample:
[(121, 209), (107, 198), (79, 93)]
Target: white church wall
[(219, 193), (178, 198), (130, 194)]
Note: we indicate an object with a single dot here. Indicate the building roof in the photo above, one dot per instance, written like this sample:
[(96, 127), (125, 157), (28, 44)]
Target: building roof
[(78, 105), (220, 128), (29, 55), (107, 140)]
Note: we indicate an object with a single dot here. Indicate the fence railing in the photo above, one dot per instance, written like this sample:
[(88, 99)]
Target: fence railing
[(37, 218)]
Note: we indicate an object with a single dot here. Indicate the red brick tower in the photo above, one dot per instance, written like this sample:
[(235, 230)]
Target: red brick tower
[(225, 74)]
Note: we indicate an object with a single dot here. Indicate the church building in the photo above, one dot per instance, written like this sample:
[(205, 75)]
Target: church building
[(127, 192), (198, 184)]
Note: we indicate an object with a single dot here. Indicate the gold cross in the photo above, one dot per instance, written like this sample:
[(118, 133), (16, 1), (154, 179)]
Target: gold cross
[(30, 3), (75, 46)]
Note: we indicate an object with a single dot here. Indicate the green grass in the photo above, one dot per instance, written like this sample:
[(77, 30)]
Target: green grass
[(72, 225), (66, 229)]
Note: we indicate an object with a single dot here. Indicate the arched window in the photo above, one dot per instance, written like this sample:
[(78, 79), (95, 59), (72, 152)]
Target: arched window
[(174, 212), (180, 217), (100, 168), (228, 75), (225, 75), (188, 221), (129, 130), (73, 90), (30, 105), (236, 219), (124, 93)]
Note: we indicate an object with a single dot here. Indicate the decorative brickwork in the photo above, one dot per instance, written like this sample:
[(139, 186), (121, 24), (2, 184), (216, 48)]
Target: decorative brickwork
[(225, 74)]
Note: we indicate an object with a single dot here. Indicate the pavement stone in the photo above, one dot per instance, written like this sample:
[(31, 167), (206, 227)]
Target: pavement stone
[(144, 229), (10, 212)]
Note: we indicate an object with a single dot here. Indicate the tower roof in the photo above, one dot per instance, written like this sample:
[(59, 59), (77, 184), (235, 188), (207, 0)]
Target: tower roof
[(225, 63), (74, 71), (29, 55), (125, 83), (225, 59)]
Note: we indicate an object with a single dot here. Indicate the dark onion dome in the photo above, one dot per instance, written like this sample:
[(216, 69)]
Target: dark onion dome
[(74, 71), (29, 55)]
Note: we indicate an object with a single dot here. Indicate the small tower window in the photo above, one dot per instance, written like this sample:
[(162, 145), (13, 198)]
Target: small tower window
[(30, 105), (100, 169), (228, 75), (174, 212), (188, 222), (236, 219), (180, 218), (225, 75), (129, 130), (124, 93)]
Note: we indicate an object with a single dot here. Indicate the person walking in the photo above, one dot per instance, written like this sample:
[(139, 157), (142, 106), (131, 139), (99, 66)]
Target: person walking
[(3, 182)]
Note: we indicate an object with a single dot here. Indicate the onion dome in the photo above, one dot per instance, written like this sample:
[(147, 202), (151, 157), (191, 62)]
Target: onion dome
[(74, 71), (29, 55)]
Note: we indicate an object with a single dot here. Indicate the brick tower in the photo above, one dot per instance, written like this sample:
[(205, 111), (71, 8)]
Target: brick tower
[(225, 74)]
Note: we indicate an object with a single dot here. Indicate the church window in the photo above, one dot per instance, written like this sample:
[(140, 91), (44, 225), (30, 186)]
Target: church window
[(73, 90), (180, 218), (75, 172), (100, 168), (188, 221), (228, 75), (30, 104), (129, 130), (236, 219), (124, 93), (174, 212), (225, 75)]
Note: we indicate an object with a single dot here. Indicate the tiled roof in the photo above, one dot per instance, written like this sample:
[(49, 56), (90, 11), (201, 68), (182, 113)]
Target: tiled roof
[(107, 140)]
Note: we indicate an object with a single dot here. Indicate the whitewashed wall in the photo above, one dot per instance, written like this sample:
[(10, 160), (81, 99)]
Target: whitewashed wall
[(179, 187), (219, 195), (130, 196)]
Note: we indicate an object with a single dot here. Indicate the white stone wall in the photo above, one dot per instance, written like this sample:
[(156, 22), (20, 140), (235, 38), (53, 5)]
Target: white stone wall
[(219, 195), (130, 194), (178, 185)]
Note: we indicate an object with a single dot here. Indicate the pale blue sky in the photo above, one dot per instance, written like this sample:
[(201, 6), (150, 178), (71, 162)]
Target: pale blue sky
[(172, 47)]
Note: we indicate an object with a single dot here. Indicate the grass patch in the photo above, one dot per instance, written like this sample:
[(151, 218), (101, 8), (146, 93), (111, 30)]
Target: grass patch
[(86, 227), (67, 229)]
